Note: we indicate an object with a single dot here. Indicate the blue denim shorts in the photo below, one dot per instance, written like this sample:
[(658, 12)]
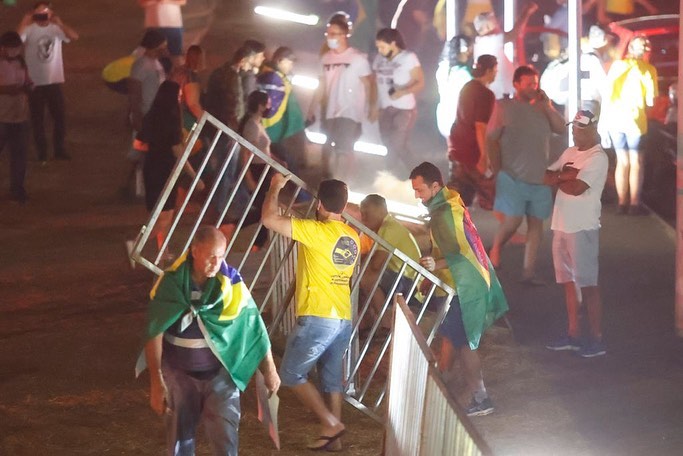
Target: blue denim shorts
[(625, 141), (452, 327), (316, 341), (516, 198)]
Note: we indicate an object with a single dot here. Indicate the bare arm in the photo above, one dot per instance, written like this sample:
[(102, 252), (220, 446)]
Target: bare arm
[(521, 22), (25, 22), (432, 264), (191, 94), (269, 213), (68, 31), (566, 180), (415, 85), (370, 94), (493, 154), (480, 133), (187, 167), (555, 119), (269, 371), (157, 391), (318, 100)]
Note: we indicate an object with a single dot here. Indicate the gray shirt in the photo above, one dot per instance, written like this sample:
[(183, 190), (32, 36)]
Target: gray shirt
[(524, 134), (150, 74)]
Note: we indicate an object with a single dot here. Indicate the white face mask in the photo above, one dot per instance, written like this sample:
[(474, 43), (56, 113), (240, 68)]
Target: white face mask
[(332, 43)]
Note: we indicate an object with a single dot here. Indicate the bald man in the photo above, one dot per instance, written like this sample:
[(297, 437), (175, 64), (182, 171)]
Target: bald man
[(205, 339)]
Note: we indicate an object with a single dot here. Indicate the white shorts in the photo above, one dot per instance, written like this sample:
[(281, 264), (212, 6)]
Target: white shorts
[(575, 257)]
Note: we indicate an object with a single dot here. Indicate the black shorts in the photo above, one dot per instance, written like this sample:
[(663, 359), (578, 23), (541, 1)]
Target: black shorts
[(342, 133)]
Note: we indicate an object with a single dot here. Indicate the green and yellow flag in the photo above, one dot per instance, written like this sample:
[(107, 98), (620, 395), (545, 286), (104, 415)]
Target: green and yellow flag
[(481, 297), (228, 317)]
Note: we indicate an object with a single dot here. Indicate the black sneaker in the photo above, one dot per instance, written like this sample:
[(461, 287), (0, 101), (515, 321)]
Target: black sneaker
[(482, 408)]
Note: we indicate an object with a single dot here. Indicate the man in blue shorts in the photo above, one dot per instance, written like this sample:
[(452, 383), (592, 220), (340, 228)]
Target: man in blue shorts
[(518, 145), (328, 252)]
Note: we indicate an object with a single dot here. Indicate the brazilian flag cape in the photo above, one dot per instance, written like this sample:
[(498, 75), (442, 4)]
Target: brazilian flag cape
[(481, 297), (227, 314)]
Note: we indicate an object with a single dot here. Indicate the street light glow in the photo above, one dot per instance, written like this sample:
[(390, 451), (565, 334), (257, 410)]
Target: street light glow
[(359, 146), (369, 148), (305, 82), (284, 15)]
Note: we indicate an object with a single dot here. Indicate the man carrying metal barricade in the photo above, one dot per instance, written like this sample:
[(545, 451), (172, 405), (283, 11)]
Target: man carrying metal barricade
[(328, 253)]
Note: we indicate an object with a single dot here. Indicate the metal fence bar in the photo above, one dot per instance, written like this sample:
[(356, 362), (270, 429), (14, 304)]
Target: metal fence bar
[(360, 361)]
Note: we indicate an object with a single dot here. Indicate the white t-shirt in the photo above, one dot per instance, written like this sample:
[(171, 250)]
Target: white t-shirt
[(494, 45), (44, 53), (395, 73), (160, 14), (581, 212), (345, 92)]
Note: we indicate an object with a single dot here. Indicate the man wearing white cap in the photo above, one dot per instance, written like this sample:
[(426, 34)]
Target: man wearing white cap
[(579, 175)]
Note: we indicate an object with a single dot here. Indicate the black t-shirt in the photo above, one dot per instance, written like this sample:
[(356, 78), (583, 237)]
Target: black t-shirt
[(474, 105)]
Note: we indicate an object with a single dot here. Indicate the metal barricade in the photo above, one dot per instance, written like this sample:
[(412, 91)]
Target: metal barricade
[(422, 418), (270, 271)]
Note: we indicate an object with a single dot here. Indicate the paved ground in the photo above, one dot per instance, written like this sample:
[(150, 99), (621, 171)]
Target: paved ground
[(72, 311)]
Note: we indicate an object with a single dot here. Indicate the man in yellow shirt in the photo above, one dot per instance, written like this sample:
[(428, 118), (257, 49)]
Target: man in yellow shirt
[(374, 214), (327, 255)]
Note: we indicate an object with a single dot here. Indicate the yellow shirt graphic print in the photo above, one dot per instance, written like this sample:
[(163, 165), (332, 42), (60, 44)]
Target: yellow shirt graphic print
[(328, 253)]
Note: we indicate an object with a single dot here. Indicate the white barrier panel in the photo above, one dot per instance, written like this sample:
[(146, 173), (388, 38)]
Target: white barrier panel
[(422, 419)]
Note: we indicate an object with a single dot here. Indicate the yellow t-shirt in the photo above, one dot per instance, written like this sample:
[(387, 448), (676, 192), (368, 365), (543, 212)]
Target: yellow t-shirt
[(633, 87), (328, 252), (400, 237)]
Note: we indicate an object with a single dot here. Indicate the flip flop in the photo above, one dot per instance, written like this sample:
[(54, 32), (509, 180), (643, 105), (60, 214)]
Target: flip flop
[(329, 440)]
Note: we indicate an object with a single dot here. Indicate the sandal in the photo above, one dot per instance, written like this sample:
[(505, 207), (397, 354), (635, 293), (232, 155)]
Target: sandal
[(329, 441)]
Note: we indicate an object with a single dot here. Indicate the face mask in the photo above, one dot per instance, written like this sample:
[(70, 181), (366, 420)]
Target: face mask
[(267, 112), (332, 43)]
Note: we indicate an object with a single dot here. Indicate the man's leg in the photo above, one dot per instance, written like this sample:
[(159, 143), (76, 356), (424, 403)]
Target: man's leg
[(55, 105), (591, 298), (305, 347), (621, 176), (534, 236), (573, 304), (221, 414), (184, 401), (16, 141), (308, 394), (635, 177), (507, 228), (37, 101)]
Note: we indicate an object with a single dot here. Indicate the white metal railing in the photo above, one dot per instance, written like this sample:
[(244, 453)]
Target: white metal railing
[(422, 418), (270, 273)]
